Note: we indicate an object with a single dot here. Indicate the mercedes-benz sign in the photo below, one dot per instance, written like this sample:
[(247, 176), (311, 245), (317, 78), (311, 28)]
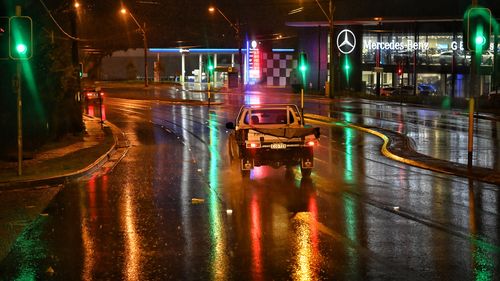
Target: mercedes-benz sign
[(346, 41)]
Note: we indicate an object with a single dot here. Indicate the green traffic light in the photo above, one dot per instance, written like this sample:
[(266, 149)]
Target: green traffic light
[(20, 38), (21, 48), (347, 64), (480, 40), (303, 63)]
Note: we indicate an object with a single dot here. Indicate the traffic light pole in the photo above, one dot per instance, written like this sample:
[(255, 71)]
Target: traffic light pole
[(19, 112), (19, 120), (473, 78), (208, 86)]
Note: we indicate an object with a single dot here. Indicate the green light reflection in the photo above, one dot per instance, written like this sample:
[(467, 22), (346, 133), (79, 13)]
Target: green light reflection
[(349, 137), (218, 258), (349, 203), (33, 90)]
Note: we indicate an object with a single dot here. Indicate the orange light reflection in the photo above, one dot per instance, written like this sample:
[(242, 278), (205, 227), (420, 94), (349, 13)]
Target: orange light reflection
[(256, 233), (132, 243), (306, 262)]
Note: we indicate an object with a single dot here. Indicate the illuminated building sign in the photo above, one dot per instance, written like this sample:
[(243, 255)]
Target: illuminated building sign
[(393, 45), (346, 41), (254, 62), (410, 45)]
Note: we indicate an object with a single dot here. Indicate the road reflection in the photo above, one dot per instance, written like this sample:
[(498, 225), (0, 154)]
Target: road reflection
[(88, 225), (256, 236), (218, 257), (97, 110), (482, 256), (306, 260), (133, 253)]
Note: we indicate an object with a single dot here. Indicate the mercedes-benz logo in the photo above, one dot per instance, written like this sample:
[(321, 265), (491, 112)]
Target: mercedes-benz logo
[(346, 41)]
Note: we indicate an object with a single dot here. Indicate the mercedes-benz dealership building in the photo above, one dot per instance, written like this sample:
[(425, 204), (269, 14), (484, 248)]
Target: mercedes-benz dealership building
[(415, 46)]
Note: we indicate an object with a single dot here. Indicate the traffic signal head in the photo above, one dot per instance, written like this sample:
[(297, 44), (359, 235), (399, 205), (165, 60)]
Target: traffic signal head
[(347, 64), (303, 62), (4, 37), (477, 28), (80, 70), (210, 64), (20, 38), (400, 70)]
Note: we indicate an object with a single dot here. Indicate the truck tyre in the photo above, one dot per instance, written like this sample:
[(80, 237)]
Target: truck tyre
[(230, 150), (245, 173), (306, 172), (233, 154)]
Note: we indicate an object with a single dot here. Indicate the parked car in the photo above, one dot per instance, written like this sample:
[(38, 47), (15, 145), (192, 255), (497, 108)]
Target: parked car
[(426, 90), (408, 56), (494, 98), (446, 58), (388, 91), (92, 94), (407, 90), (487, 58)]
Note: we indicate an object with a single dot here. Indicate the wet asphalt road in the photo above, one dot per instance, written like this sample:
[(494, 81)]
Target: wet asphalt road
[(176, 208)]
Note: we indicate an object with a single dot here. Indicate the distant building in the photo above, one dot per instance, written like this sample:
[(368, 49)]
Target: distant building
[(274, 67)]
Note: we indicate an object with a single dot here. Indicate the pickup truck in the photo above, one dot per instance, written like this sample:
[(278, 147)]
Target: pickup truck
[(272, 135)]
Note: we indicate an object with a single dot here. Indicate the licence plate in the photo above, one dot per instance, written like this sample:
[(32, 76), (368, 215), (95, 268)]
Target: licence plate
[(278, 146)]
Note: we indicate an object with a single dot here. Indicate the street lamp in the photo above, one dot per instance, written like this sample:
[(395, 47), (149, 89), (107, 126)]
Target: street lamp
[(144, 38), (236, 28), (332, 45)]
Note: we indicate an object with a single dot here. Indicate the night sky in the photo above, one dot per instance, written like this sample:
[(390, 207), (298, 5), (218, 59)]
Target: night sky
[(172, 23)]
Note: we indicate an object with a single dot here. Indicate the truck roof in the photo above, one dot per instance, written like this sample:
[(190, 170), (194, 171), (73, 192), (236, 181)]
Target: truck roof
[(268, 105)]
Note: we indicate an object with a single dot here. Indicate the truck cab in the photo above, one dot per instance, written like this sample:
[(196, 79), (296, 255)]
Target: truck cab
[(272, 135)]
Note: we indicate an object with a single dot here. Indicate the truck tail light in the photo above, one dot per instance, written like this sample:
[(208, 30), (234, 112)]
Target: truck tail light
[(253, 144), (102, 94), (310, 143)]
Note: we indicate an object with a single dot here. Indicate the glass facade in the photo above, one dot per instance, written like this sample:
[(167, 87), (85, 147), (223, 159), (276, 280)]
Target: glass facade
[(437, 63)]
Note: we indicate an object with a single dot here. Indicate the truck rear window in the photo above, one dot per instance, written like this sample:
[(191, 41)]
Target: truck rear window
[(268, 116)]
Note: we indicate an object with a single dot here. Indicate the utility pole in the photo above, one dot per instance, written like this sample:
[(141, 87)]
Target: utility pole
[(329, 17), (332, 46), (145, 55), (17, 85)]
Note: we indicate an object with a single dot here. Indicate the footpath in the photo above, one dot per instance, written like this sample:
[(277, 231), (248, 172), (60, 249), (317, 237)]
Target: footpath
[(24, 198), (64, 160)]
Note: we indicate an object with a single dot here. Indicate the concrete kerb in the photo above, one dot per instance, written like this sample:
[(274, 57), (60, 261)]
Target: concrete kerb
[(458, 169), (68, 177)]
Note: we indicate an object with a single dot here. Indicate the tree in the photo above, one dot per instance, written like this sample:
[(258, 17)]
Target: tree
[(49, 82)]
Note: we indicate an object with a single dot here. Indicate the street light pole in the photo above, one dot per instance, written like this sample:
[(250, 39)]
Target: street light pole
[(332, 44), (236, 28), (144, 38), (145, 41)]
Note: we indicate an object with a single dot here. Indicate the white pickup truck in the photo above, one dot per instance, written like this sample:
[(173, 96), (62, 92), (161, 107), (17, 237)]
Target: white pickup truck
[(273, 135)]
